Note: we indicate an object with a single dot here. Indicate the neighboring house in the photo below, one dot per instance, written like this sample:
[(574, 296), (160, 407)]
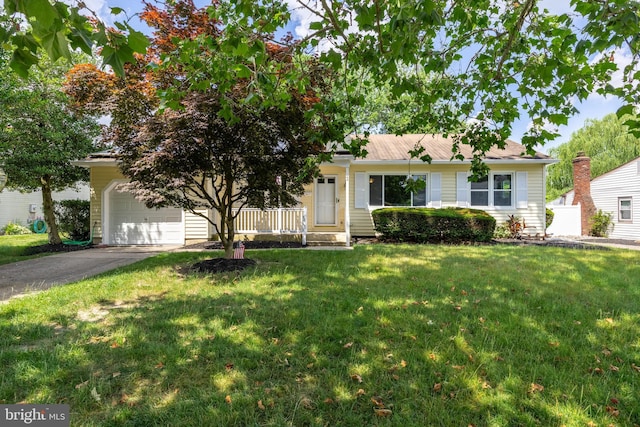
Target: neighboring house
[(338, 205), (24, 208), (616, 192)]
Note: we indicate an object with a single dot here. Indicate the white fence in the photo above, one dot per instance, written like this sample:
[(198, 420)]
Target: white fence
[(566, 220), (273, 221)]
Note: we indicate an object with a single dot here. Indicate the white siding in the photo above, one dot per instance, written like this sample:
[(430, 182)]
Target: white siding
[(15, 206), (608, 188), (452, 177), (196, 227)]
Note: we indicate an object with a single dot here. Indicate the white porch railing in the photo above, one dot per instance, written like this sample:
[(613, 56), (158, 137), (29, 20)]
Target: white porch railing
[(272, 221)]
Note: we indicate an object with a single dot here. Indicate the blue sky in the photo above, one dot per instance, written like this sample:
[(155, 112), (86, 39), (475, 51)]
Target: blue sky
[(595, 107)]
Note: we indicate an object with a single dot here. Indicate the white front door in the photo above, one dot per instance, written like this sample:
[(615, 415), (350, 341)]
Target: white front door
[(326, 200)]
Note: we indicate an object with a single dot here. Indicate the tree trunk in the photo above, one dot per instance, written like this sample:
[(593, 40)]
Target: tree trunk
[(47, 207)]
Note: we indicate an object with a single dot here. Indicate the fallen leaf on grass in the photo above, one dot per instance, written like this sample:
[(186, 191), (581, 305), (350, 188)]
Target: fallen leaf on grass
[(115, 374), (82, 384), (377, 400), (95, 395), (227, 399), (228, 366), (307, 403), (403, 363), (379, 412), (356, 377), (612, 411), (330, 401), (360, 392), (348, 345), (261, 406), (160, 365), (437, 387), (536, 388), (635, 368), (613, 368)]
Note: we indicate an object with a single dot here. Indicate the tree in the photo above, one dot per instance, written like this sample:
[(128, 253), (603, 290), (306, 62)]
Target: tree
[(218, 148), (383, 112), (606, 141), (489, 62), (40, 136)]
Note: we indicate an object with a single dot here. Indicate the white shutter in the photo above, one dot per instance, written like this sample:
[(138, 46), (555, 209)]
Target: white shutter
[(462, 186), (436, 190), (522, 190), (361, 201)]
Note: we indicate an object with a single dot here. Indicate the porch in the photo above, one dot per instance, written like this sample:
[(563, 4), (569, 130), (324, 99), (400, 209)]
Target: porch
[(284, 224)]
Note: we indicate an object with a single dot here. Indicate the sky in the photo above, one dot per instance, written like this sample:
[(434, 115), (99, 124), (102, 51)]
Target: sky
[(595, 107)]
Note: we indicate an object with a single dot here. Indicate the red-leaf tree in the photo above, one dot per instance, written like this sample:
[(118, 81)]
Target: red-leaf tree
[(243, 133)]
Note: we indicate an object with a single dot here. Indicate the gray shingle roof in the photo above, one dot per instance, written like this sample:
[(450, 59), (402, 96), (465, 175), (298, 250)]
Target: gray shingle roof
[(392, 147)]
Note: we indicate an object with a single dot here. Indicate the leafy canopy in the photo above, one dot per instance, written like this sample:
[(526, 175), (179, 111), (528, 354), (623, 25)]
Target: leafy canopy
[(40, 136), (220, 146), (607, 142), (489, 62)]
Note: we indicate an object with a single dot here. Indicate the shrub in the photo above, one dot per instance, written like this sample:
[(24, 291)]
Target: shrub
[(549, 217), (73, 218), (600, 224), (502, 232), (428, 225), (13, 228), (515, 225)]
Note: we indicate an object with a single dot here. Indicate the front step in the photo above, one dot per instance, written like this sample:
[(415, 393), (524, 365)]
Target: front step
[(326, 239)]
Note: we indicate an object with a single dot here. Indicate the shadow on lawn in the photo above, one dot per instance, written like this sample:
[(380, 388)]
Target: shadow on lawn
[(308, 338)]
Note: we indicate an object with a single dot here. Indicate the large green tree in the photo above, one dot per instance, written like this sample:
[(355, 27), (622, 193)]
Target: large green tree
[(489, 62), (607, 141), (40, 136), (215, 149)]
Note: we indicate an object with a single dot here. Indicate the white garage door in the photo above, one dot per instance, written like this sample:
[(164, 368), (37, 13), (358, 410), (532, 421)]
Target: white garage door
[(132, 223)]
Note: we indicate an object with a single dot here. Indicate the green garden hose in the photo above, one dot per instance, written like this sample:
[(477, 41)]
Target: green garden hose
[(39, 226)]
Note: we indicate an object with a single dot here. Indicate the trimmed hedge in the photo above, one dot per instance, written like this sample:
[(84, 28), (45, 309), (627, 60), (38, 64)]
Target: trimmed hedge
[(428, 225)]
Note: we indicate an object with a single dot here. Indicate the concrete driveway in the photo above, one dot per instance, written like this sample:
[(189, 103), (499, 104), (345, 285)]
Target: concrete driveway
[(42, 273)]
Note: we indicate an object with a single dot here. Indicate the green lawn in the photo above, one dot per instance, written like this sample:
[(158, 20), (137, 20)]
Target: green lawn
[(381, 335), (12, 247)]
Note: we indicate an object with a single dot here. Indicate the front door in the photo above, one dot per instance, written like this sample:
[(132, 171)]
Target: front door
[(326, 200)]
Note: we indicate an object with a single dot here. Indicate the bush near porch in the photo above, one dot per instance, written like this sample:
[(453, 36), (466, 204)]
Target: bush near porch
[(429, 225)]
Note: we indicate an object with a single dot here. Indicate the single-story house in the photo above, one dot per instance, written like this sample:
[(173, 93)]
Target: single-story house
[(338, 204), (616, 192), (24, 208)]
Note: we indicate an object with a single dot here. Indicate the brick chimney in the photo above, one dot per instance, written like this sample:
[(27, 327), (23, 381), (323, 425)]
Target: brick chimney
[(582, 189)]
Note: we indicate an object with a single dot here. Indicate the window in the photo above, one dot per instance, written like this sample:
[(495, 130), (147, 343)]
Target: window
[(480, 192), (502, 189), (500, 193), (624, 209), (391, 190)]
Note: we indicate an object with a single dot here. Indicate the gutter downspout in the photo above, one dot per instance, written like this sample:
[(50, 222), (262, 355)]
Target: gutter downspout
[(544, 197), (347, 208)]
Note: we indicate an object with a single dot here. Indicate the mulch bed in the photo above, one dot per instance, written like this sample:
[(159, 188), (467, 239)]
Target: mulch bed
[(222, 265), (250, 244)]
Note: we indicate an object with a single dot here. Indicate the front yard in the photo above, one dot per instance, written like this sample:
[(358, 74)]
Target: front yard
[(381, 335)]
